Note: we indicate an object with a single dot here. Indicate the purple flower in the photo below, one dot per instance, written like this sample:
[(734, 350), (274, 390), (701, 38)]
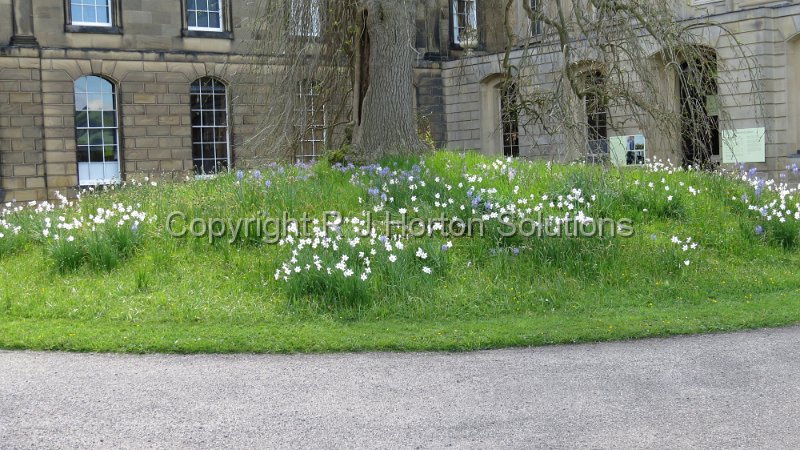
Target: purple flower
[(374, 192), (759, 230), (135, 227), (445, 248), (257, 175), (796, 169), (753, 172), (239, 175), (745, 198), (515, 251), (268, 183)]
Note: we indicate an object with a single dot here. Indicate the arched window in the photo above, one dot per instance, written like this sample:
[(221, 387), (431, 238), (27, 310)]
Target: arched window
[(210, 133), (596, 113), (699, 106), (96, 131), (311, 123), (509, 118)]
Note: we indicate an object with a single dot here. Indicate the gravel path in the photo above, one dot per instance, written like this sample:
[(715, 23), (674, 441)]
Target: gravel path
[(722, 391)]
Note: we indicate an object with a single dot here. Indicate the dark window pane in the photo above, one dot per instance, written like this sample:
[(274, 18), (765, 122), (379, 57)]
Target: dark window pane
[(222, 151), (208, 134), (96, 137), (197, 135), (221, 134), (81, 119), (192, 19), (95, 119), (110, 152), (196, 118), (197, 151), (202, 19), (83, 153), (110, 119), (109, 137), (208, 118), (221, 118), (82, 137), (95, 153)]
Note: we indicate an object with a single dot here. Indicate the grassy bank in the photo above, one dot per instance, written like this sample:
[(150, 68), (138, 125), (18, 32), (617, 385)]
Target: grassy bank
[(708, 252)]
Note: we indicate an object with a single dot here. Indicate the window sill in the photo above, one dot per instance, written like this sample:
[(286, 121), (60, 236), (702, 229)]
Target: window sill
[(207, 34), (92, 29)]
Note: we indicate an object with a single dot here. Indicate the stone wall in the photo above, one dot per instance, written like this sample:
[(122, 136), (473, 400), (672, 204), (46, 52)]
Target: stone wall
[(768, 33), (151, 61), (22, 164)]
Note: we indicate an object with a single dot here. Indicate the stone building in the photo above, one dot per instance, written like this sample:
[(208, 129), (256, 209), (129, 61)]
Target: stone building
[(767, 30), (94, 91)]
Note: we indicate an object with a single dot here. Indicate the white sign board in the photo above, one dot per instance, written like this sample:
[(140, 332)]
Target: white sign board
[(745, 145), (627, 150)]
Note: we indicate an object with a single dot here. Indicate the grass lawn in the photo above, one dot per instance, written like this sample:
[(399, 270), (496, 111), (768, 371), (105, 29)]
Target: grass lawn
[(708, 252)]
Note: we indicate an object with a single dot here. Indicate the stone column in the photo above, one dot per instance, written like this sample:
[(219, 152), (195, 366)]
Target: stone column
[(22, 13)]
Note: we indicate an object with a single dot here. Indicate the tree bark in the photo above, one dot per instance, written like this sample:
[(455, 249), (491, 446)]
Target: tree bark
[(385, 123)]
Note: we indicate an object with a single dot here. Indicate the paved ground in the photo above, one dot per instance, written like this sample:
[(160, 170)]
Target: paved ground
[(736, 390)]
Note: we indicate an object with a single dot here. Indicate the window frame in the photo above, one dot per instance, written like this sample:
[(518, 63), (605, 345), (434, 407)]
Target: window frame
[(536, 29), (117, 178), (225, 32), (455, 33), (210, 29), (228, 132), (596, 112), (307, 90), (508, 93), (113, 26)]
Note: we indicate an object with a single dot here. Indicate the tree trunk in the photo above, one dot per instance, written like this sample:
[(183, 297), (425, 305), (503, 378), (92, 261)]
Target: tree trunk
[(385, 123)]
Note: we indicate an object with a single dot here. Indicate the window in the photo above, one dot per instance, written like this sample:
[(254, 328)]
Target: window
[(204, 15), (96, 13), (305, 18), (312, 130), (465, 19), (509, 118), (210, 133), (596, 113), (536, 25), (96, 131), (700, 107)]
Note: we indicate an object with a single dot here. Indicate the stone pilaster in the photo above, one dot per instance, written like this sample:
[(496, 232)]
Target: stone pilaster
[(24, 36)]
